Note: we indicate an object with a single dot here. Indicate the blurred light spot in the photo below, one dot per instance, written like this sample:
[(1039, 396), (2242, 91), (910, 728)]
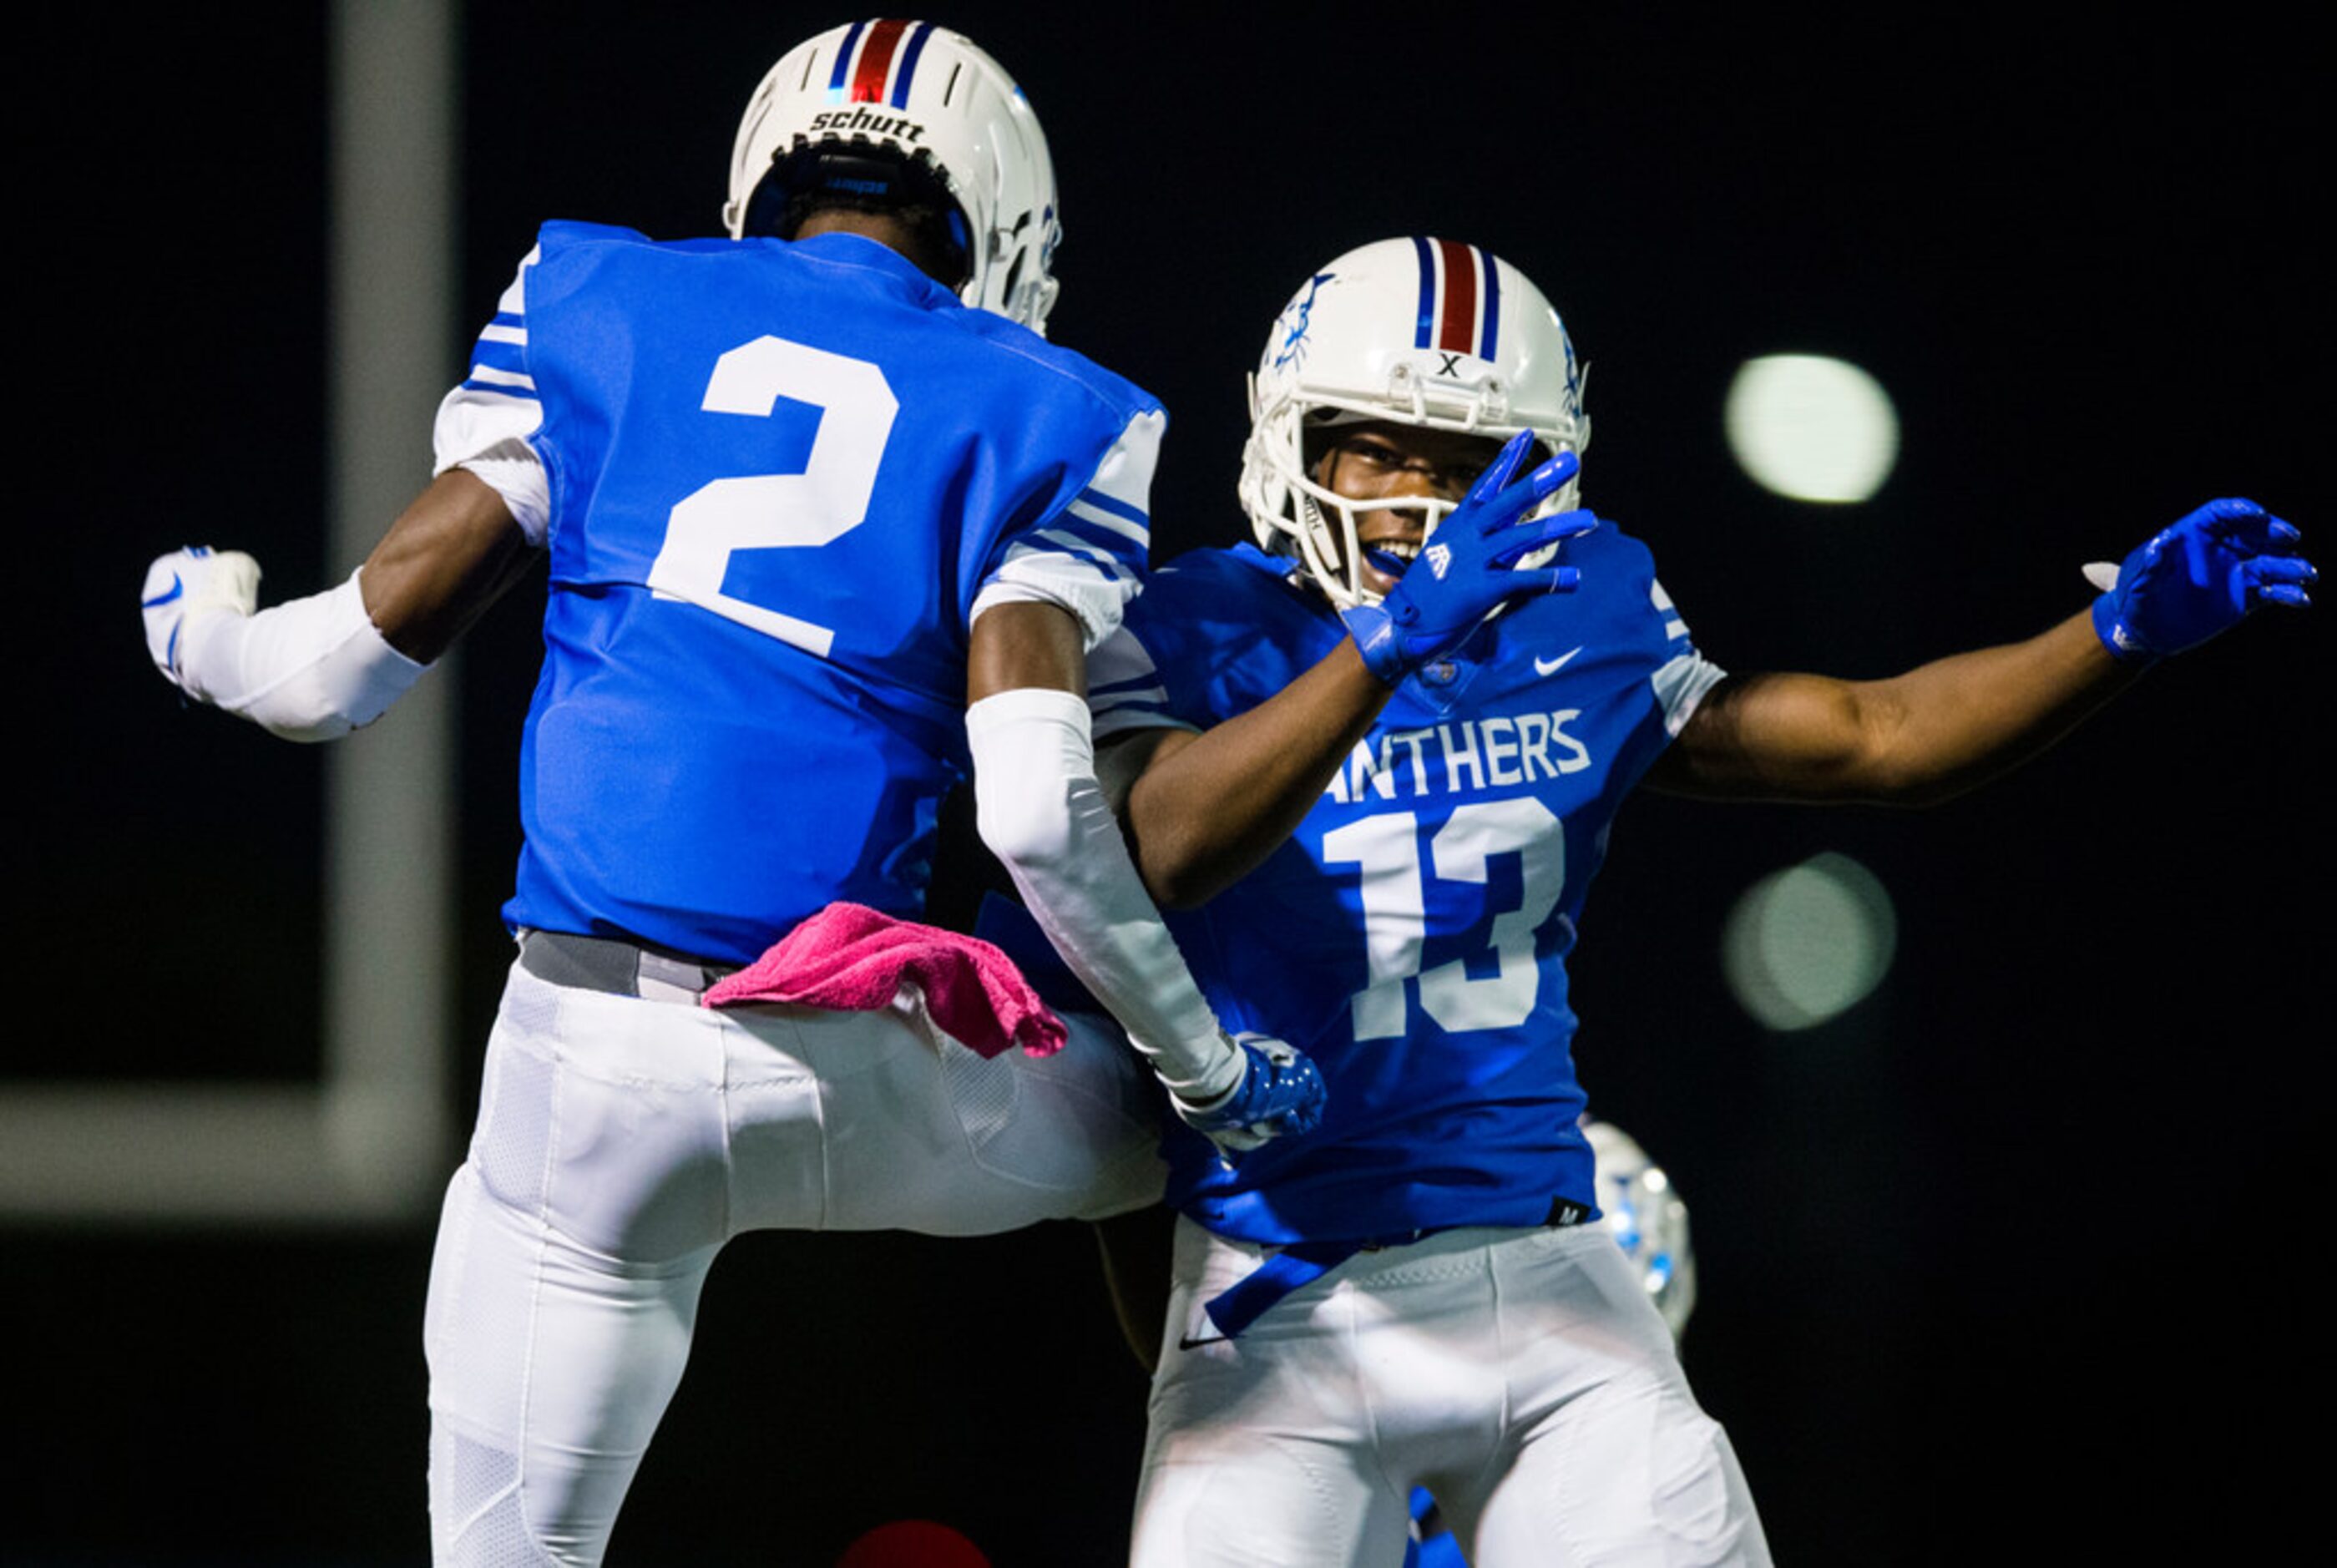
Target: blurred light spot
[(1812, 428), (1806, 944)]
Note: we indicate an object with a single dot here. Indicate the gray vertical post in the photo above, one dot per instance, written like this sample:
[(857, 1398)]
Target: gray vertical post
[(391, 800)]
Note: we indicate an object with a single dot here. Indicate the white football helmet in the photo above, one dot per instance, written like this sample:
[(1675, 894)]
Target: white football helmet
[(909, 96), (1648, 1220), (1416, 331)]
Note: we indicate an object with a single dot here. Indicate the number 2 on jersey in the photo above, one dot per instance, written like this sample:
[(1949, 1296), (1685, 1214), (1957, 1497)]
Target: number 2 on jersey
[(1395, 896), (771, 511)]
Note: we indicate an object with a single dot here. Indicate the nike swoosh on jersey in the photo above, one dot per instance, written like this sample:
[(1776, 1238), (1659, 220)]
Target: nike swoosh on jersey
[(1186, 1342), (1552, 666)]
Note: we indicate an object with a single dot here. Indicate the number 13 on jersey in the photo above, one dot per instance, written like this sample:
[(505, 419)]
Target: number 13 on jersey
[(1393, 887)]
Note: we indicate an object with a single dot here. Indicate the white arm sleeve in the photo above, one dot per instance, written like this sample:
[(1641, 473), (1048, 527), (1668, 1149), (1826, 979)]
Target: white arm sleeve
[(1042, 812), (310, 669)]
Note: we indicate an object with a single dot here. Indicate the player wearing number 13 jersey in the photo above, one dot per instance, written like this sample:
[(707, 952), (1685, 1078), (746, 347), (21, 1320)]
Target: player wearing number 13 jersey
[(1412, 934), (1375, 763), (1405, 1298), (828, 521)]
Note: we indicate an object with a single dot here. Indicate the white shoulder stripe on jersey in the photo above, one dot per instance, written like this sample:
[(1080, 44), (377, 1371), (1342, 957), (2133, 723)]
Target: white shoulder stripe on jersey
[(1125, 475), (1084, 550), (495, 377), (1683, 684), (1096, 516), (1125, 690), (487, 424), (514, 297), (1674, 629), (1121, 660)]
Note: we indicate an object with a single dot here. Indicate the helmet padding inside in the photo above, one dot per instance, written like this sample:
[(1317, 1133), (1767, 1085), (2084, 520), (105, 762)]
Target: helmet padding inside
[(861, 177)]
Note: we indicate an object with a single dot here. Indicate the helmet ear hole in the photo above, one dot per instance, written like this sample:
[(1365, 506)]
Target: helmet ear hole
[(1008, 290), (766, 210), (1314, 442)]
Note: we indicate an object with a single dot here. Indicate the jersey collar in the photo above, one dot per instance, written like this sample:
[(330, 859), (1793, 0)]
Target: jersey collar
[(859, 250)]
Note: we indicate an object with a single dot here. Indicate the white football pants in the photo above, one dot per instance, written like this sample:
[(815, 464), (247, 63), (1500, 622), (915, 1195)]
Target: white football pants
[(1520, 1375), (620, 1143)]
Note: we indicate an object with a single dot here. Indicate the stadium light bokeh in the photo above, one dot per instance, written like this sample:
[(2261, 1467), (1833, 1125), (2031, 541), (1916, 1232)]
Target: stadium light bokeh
[(1805, 944), (1812, 428)]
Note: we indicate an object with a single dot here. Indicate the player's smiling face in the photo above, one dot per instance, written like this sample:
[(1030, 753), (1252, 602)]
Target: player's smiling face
[(1380, 461)]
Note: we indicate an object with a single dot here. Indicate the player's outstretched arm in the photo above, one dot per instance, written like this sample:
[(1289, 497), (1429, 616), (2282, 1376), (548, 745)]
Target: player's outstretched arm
[(316, 668), (1943, 727), (1203, 809), (1042, 812)]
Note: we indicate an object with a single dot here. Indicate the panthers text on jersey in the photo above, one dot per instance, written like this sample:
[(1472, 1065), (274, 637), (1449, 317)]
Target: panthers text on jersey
[(1411, 936), (775, 482)]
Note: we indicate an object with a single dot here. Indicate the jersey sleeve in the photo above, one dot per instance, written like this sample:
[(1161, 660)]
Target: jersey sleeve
[(1126, 690), (1090, 555), (1686, 677), (487, 424), (1179, 644)]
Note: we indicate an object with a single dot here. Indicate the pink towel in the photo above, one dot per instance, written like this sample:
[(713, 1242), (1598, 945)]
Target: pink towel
[(850, 959)]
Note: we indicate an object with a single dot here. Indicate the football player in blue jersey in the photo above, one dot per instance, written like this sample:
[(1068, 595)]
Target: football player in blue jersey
[(827, 521), (1372, 763)]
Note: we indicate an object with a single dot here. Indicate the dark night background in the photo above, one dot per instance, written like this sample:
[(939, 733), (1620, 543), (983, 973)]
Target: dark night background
[(2002, 1266)]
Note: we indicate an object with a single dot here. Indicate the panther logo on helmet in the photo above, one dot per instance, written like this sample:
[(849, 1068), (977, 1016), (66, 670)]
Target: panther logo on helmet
[(1295, 319)]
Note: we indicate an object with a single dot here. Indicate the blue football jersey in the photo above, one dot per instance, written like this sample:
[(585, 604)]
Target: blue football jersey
[(776, 479), (1412, 934)]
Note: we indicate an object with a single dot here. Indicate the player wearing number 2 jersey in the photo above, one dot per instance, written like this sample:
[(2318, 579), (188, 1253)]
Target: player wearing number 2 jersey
[(826, 521), (1376, 762), (649, 383)]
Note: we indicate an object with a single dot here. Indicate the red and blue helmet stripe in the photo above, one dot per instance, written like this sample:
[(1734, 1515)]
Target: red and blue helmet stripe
[(1460, 298), (878, 62)]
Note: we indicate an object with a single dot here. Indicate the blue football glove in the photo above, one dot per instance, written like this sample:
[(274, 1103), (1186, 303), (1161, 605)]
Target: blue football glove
[(1279, 1092), (2198, 576), (1469, 568)]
